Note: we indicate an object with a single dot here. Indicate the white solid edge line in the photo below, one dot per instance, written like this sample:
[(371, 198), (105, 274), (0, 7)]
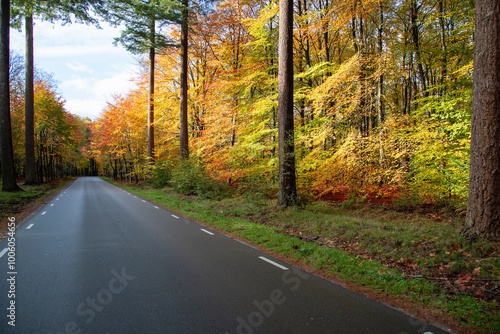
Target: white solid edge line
[(2, 253), (30, 226), (208, 232), (175, 216), (273, 263)]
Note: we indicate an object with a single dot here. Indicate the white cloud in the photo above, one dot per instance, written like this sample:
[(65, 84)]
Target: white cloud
[(85, 108), (74, 34), (79, 67), (75, 83), (54, 40), (118, 83), (62, 51), (94, 93)]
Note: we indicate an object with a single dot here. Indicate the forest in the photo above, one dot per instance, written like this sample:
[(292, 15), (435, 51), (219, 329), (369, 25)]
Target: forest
[(61, 138), (382, 100)]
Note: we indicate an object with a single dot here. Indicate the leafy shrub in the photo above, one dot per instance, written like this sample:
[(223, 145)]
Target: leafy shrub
[(191, 178), (259, 187), (161, 174)]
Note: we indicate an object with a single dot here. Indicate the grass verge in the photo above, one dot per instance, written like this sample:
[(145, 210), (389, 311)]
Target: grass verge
[(415, 261), (16, 204)]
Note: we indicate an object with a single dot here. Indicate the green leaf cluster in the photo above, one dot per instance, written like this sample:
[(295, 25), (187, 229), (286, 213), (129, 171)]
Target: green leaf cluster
[(144, 22)]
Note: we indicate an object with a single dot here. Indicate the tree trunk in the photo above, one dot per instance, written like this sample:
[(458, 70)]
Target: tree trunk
[(483, 211), (287, 181), (29, 109), (151, 99), (444, 48), (416, 41), (184, 144), (380, 85), (326, 37), (6, 150)]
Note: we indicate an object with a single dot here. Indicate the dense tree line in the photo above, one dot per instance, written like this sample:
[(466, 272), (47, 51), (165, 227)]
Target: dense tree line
[(60, 138), (382, 95)]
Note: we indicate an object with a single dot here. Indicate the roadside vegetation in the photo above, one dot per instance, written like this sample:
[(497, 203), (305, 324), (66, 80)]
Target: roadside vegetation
[(15, 204), (410, 257)]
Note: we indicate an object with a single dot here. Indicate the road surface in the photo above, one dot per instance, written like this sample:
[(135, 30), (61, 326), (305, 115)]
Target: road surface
[(97, 259)]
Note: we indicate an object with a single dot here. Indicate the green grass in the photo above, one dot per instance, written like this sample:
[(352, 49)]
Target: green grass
[(374, 248)]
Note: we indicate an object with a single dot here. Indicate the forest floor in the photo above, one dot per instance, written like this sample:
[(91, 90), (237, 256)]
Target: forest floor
[(411, 259)]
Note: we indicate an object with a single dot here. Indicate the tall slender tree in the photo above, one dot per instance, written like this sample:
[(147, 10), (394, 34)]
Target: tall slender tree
[(287, 179), (29, 105), (483, 211), (6, 151), (184, 143), (151, 92)]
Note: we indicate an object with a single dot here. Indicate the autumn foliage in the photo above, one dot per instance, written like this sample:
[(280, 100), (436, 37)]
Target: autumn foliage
[(382, 100), (61, 138)]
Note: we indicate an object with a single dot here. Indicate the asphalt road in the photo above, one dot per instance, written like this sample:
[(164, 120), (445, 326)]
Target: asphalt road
[(97, 259)]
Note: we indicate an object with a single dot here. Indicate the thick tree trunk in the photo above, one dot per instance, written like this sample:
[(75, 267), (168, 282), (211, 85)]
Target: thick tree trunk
[(6, 151), (483, 211), (151, 102), (287, 180), (184, 144), (29, 109)]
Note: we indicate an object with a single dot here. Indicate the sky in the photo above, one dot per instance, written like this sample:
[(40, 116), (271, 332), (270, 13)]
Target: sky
[(86, 66)]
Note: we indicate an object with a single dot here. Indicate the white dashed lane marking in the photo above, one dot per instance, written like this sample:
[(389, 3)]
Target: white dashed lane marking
[(208, 232), (273, 263)]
